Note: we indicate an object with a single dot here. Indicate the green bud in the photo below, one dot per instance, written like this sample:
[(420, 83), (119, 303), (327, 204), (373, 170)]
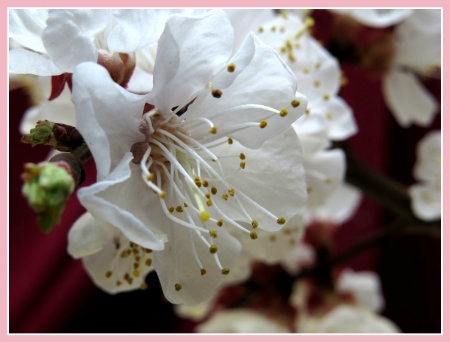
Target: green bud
[(47, 187), (41, 134)]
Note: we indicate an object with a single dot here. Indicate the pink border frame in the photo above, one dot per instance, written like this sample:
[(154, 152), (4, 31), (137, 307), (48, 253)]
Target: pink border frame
[(230, 3)]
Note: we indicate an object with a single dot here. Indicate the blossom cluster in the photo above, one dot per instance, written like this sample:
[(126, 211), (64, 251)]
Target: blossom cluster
[(216, 135)]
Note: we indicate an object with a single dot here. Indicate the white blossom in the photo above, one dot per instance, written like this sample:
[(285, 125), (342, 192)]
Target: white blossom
[(375, 17), (213, 150)]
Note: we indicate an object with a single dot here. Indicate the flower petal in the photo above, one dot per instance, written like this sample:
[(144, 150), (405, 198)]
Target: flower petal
[(137, 29), (87, 236), (408, 99), (23, 61), (26, 25), (108, 116), (69, 36), (257, 68), (177, 264), (189, 51), (426, 202), (122, 201), (377, 17)]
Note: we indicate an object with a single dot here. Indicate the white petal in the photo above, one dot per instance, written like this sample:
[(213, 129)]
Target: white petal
[(408, 99), (87, 236), (108, 116), (273, 177), (122, 201), (428, 164), (241, 321), (301, 256), (69, 36), (176, 264), (23, 61), (324, 175), (257, 68), (137, 29), (189, 51), (26, 25), (426, 202), (339, 117), (312, 130), (364, 286), (108, 268), (196, 312), (272, 247)]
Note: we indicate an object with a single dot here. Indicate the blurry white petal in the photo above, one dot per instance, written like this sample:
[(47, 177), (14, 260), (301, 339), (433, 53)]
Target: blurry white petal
[(26, 25), (23, 61)]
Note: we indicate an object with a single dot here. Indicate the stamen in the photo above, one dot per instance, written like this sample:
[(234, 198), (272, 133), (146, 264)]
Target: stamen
[(225, 271), (231, 67), (253, 235), (213, 233), (178, 287), (213, 249)]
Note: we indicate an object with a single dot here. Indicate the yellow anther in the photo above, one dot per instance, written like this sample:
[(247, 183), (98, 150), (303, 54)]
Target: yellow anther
[(144, 286), (316, 83), (231, 192), (150, 177), (283, 49), (306, 71), (230, 141), (287, 231), (307, 111), (213, 129), (231, 67), (284, 14), (329, 116), (295, 103), (291, 57), (327, 180), (213, 249), (225, 196), (171, 209), (273, 28), (185, 205), (118, 283), (242, 165), (108, 274), (281, 220), (225, 271), (209, 202), (326, 97), (261, 29), (253, 235), (217, 93), (148, 262), (213, 190), (220, 223), (213, 233), (136, 273), (204, 216), (309, 22), (254, 224), (203, 271), (179, 209), (162, 194), (309, 189), (208, 196), (198, 183), (283, 112), (242, 156), (178, 287), (147, 250), (205, 183), (273, 238), (263, 124)]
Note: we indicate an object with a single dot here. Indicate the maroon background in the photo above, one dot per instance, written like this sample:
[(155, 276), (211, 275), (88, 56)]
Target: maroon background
[(50, 292)]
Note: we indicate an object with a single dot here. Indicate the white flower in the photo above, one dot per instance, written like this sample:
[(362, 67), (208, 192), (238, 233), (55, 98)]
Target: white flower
[(418, 52), (196, 312), (364, 286), (114, 262), (347, 319), (426, 196), (56, 41), (376, 17), (241, 321), (302, 255), (213, 150)]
